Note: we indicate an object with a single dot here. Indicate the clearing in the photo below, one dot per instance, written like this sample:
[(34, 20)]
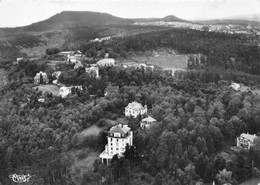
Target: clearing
[(165, 58), (91, 131), (48, 89)]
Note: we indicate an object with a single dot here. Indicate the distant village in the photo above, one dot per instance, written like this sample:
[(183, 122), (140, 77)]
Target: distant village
[(230, 29)]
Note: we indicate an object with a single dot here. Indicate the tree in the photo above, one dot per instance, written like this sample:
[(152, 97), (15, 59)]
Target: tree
[(224, 176), (201, 145)]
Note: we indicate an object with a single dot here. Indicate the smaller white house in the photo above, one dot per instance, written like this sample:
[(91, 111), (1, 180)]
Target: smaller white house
[(78, 64), (106, 62), (56, 74), (72, 59), (235, 86), (64, 91), (93, 71), (245, 140), (106, 55), (19, 59), (134, 109), (42, 100), (146, 122), (37, 78)]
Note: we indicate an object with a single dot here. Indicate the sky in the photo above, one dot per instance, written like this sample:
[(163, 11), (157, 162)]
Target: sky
[(24, 12)]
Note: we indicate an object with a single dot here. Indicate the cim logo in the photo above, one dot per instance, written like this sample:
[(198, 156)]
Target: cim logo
[(20, 178)]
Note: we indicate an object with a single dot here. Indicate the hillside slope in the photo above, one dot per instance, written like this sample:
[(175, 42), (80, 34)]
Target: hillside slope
[(61, 30)]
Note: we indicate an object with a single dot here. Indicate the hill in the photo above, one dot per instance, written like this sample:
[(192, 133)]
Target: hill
[(169, 18), (65, 30)]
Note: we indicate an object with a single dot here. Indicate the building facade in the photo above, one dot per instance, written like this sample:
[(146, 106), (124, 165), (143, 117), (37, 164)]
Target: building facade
[(118, 138), (134, 109), (245, 140)]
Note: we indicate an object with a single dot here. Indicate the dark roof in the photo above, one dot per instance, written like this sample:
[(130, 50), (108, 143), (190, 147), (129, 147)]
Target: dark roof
[(122, 129)]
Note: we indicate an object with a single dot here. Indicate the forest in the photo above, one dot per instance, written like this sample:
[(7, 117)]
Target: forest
[(236, 52), (197, 119)]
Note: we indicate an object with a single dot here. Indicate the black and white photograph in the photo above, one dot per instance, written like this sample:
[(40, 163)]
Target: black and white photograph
[(129, 92)]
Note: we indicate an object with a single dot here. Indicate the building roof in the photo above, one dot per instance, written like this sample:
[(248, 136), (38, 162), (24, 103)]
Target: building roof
[(122, 129), (148, 119), (249, 136), (135, 105), (235, 86), (106, 61)]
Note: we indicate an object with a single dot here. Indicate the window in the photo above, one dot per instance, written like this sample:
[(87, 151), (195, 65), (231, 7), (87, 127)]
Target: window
[(116, 144), (111, 148), (116, 140), (111, 144), (111, 140), (117, 149)]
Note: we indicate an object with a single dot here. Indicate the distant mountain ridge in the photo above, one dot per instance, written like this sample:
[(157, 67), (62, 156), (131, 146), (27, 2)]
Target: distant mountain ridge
[(250, 17)]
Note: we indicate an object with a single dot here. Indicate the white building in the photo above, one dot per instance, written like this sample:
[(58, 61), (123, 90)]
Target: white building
[(78, 64), (146, 122), (37, 78), (106, 62), (235, 86), (118, 137), (246, 140), (134, 109), (71, 59), (56, 74), (93, 71), (64, 91), (19, 59)]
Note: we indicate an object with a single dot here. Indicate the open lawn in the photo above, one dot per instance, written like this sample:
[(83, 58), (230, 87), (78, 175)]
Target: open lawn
[(91, 131), (48, 89), (166, 59)]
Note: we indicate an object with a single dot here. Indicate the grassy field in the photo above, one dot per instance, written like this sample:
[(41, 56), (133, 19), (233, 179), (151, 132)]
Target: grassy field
[(164, 58), (48, 89), (253, 181), (91, 131)]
